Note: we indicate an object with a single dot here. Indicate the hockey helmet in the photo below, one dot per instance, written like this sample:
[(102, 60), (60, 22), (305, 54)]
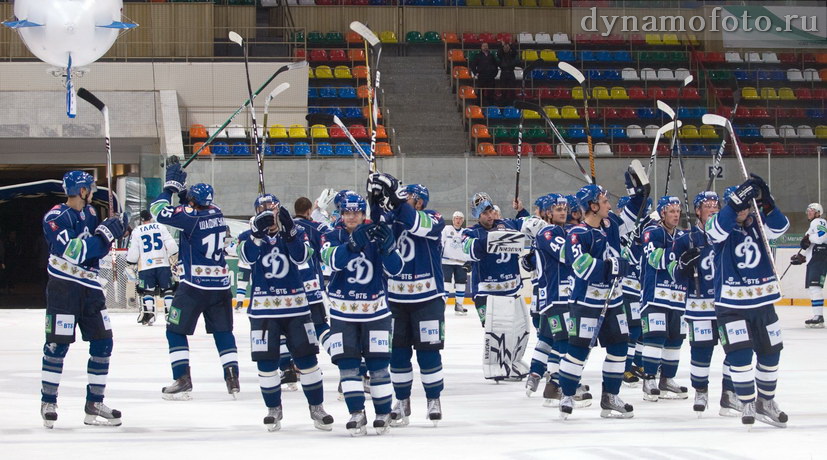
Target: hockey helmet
[(419, 191), (200, 194), (623, 201), (73, 181), (480, 203), (541, 202), (589, 194), (265, 201), (816, 207), (352, 201), (555, 199), (705, 196), (666, 201)]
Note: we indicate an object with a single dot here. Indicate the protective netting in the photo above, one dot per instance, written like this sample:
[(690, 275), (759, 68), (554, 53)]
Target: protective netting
[(119, 290)]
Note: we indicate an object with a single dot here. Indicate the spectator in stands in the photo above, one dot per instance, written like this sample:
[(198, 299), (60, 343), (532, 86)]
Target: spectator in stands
[(485, 68), (508, 60)]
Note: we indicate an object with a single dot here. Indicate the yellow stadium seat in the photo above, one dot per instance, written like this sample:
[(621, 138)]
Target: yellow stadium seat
[(297, 132), (310, 73), (786, 94), (569, 113), (530, 55), (708, 132), (278, 132), (619, 93), (531, 3), (530, 114), (749, 93), (490, 2), (319, 132), (342, 71), (388, 36), (511, 3), (548, 55), (324, 71), (599, 92), (553, 112), (473, 3), (769, 94), (653, 40), (578, 92), (671, 40), (547, 3), (690, 132), (821, 132)]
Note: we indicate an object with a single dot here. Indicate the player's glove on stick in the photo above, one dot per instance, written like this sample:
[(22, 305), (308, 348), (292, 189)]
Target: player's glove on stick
[(764, 199), (288, 227), (386, 191), (112, 228), (175, 179), (741, 197), (797, 259), (262, 223), (359, 238), (617, 267), (688, 260), (805, 242)]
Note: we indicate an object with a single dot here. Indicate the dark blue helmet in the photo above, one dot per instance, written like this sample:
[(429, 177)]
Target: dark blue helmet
[(728, 193), (480, 203), (419, 191), (555, 199), (589, 194), (541, 202), (337, 200), (665, 201), (352, 201), (705, 196), (73, 181), (265, 201), (200, 194), (572, 202)]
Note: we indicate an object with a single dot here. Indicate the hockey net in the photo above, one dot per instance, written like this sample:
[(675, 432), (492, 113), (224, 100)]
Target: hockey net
[(119, 290)]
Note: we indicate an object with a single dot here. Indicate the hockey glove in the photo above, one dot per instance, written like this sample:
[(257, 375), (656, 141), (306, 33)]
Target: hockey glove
[(531, 226), (687, 262), (261, 223), (805, 242), (359, 238), (112, 228), (528, 263), (797, 259), (740, 198), (288, 227), (325, 198), (182, 197), (616, 267), (467, 267), (765, 200), (175, 179), (386, 191), (384, 238), (633, 186)]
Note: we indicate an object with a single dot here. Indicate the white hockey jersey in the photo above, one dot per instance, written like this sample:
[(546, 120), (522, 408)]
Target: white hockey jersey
[(818, 236), (452, 253), (151, 246)]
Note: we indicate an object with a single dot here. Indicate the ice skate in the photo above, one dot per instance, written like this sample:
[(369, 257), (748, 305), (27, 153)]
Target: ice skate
[(357, 425), (731, 406), (767, 411), (98, 413), (816, 322), (382, 423), (273, 418), (582, 397), (669, 389), (231, 379), (566, 406), (614, 407), (748, 414), (400, 413), (630, 379), (146, 317), (321, 419), (637, 371), (49, 413), (460, 310), (180, 390), (289, 380), (701, 401), (552, 394), (531, 383), (435, 410), (650, 389)]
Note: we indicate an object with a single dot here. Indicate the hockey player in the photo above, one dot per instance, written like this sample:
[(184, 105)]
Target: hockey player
[(496, 286), (74, 296), (150, 248), (700, 312), (241, 284), (662, 302), (815, 245), (360, 322), (275, 247), (575, 215), (415, 295), (454, 261), (746, 288), (630, 285), (593, 252), (205, 282), (312, 273)]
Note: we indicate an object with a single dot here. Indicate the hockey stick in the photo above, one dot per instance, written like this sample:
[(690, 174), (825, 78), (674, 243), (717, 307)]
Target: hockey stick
[(522, 105), (716, 166), (519, 156), (578, 75), (788, 266), (717, 120), (673, 115), (282, 69), (84, 94), (324, 118), (276, 91), (661, 131), (235, 38), (636, 169)]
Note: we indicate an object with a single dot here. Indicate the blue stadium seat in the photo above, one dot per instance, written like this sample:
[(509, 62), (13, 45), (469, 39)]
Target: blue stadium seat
[(743, 75), (575, 132), (748, 131), (647, 113), (612, 75), (311, 110), (623, 56), (605, 56), (220, 148), (240, 149), (694, 150), (324, 149), (555, 74), (511, 113), (815, 114), (334, 111), (343, 150), (568, 56), (328, 92), (493, 113), (347, 92), (282, 149), (594, 75), (301, 149), (539, 74), (616, 132), (597, 132), (587, 56), (312, 92), (365, 146), (353, 112)]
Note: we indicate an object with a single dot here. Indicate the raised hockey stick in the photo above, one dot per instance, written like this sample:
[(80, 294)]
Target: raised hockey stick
[(716, 166), (282, 69), (717, 120), (519, 156), (661, 131), (578, 75), (371, 39), (325, 118), (676, 135), (84, 94), (276, 91), (522, 105), (636, 169), (236, 38)]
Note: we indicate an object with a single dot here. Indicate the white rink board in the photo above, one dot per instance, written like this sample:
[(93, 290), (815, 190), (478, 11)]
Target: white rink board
[(481, 419)]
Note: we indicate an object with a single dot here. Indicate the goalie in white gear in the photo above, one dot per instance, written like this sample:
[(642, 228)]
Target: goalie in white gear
[(150, 249), (814, 245)]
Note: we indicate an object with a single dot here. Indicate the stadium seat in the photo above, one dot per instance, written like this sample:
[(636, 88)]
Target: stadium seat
[(480, 131), (543, 38), (753, 57), (602, 149), (493, 113), (579, 93), (581, 149), (282, 149), (342, 150), (787, 132), (342, 71), (805, 132), (548, 55), (277, 132), (543, 149), (486, 148), (749, 93), (569, 113), (665, 74), (467, 92), (318, 55), (553, 112), (560, 38), (733, 57), (324, 149), (473, 112), (707, 132), (600, 92), (297, 132), (323, 71), (786, 94), (795, 75), (525, 38), (236, 132), (328, 92), (777, 148), (529, 55), (563, 151), (414, 36), (510, 113), (653, 40), (388, 36), (689, 132), (650, 131), (383, 149), (690, 93), (671, 40), (637, 94), (769, 132), (450, 38), (198, 131), (337, 56), (204, 152), (615, 132), (506, 149), (301, 149), (456, 55), (768, 57), (220, 148), (648, 74), (813, 75), (431, 37), (347, 92), (769, 94), (803, 94), (530, 114), (821, 132), (461, 72)]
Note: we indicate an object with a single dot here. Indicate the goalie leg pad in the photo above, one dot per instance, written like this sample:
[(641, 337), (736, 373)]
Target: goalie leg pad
[(506, 337)]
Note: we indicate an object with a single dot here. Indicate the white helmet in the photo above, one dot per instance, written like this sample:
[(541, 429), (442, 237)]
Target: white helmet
[(816, 207)]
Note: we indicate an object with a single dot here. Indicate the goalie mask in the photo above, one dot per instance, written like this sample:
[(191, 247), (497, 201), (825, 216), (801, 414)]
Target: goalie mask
[(480, 203)]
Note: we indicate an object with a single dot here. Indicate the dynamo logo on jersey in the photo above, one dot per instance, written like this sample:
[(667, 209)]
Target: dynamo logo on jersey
[(362, 270), (276, 262), (405, 246), (749, 251)]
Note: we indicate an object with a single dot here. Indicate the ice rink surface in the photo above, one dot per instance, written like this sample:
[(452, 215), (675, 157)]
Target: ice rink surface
[(481, 419)]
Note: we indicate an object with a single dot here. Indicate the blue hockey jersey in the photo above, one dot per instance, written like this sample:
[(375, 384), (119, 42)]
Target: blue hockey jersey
[(700, 305), (356, 290), (744, 276), (660, 256), (201, 245), (74, 249), (492, 274), (311, 270), (276, 282), (419, 242), (550, 259)]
